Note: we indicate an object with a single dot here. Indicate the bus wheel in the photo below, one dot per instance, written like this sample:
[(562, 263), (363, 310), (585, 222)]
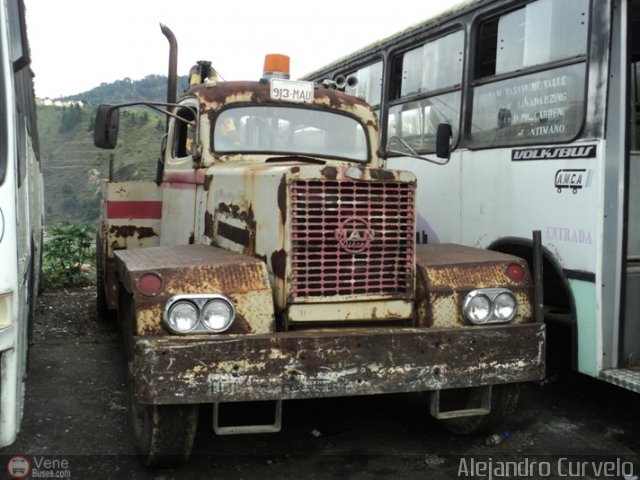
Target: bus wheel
[(164, 434), (504, 399)]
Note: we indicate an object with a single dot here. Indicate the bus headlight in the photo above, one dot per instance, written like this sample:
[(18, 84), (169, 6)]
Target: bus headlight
[(489, 305), (217, 315), (182, 317), (198, 313)]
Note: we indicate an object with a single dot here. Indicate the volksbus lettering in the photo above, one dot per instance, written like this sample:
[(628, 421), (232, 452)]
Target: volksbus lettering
[(588, 151)]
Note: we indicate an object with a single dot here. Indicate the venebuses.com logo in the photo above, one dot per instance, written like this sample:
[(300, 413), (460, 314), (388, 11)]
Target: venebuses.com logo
[(20, 466)]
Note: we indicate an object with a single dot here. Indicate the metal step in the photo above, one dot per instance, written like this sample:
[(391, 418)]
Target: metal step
[(623, 377)]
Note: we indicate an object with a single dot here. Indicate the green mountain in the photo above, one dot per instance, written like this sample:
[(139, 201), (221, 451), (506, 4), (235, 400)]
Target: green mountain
[(73, 169), (152, 88)]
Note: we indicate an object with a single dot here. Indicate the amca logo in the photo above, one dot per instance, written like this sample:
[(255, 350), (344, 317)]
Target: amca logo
[(574, 179)]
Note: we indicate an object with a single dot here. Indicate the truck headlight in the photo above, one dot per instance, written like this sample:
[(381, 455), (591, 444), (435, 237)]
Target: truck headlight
[(217, 315), (198, 313), (182, 316), (477, 308), (505, 306), (489, 305)]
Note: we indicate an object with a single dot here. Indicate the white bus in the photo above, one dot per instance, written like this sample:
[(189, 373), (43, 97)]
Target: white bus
[(21, 203), (543, 100)]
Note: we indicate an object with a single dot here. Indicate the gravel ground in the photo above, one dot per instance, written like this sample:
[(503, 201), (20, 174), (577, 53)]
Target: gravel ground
[(76, 419)]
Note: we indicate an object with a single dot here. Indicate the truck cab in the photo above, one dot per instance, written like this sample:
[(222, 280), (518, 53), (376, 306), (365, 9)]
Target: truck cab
[(276, 258)]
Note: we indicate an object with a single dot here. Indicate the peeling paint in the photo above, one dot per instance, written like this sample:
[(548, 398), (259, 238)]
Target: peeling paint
[(335, 363)]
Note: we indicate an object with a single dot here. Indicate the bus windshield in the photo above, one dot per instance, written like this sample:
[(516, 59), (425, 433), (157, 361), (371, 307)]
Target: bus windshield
[(289, 131)]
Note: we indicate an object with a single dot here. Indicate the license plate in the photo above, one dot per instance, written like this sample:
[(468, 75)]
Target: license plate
[(291, 90)]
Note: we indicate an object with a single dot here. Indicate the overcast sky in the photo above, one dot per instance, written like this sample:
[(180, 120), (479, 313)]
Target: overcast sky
[(78, 44)]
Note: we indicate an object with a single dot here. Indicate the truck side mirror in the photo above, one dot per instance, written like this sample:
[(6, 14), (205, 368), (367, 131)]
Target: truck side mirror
[(443, 140), (105, 134)]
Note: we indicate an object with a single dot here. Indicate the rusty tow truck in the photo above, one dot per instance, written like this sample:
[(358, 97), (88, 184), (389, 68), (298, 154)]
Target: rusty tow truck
[(275, 258)]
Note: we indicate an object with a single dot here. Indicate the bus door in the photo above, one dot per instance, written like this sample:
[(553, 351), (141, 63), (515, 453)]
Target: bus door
[(630, 331)]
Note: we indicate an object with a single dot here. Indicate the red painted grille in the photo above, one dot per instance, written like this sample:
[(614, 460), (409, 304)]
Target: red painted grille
[(352, 238)]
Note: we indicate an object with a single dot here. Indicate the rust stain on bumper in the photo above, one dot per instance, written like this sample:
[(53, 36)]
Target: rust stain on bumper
[(296, 365)]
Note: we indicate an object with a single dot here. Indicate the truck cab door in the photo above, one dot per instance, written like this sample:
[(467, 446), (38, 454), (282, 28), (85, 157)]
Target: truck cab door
[(180, 178)]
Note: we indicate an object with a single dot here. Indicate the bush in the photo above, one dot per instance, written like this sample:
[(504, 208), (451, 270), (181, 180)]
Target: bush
[(69, 255)]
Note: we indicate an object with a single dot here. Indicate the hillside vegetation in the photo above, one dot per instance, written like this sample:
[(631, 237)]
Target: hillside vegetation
[(74, 170)]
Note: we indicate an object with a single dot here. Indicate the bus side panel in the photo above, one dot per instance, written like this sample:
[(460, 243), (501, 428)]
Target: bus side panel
[(20, 249), (503, 199), (438, 209)]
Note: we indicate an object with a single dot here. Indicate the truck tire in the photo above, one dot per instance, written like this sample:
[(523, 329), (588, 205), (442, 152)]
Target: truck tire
[(504, 399), (164, 434)]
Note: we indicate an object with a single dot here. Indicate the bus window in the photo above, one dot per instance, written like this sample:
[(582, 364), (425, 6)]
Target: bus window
[(419, 78), (19, 53), (369, 86), (433, 66), (417, 122), (544, 105)]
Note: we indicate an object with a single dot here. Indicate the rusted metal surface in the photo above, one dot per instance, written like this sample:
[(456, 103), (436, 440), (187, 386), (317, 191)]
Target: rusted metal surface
[(351, 309), (214, 97), (235, 224), (198, 269), (447, 272), (296, 365), (256, 93), (131, 216), (294, 240), (351, 237), (319, 207)]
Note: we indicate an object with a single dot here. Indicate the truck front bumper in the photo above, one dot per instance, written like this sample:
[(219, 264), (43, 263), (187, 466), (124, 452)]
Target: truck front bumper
[(332, 363)]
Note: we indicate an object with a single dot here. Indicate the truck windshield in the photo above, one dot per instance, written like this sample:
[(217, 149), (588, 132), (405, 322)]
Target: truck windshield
[(289, 130)]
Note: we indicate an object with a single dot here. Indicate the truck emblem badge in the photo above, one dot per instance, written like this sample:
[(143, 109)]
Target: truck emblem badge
[(354, 235)]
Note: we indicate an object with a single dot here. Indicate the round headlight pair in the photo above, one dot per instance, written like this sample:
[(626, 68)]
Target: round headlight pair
[(198, 314), (490, 305)]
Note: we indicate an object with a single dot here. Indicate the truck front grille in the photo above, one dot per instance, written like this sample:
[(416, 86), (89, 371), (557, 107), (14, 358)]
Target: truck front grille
[(352, 238)]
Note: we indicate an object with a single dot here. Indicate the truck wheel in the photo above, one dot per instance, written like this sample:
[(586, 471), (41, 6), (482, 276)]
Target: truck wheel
[(504, 399), (164, 434)]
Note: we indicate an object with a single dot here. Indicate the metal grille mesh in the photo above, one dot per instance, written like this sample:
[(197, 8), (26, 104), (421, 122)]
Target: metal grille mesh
[(352, 238)]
